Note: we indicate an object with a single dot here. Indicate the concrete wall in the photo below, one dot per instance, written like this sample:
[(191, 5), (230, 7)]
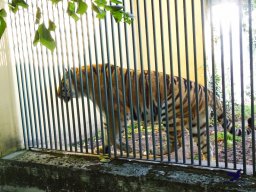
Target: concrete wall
[(37, 172), (9, 106)]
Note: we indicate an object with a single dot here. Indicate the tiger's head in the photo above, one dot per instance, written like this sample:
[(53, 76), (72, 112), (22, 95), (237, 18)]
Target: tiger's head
[(66, 90)]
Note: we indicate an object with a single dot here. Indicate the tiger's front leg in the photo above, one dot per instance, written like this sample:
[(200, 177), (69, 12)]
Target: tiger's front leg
[(202, 136), (112, 134)]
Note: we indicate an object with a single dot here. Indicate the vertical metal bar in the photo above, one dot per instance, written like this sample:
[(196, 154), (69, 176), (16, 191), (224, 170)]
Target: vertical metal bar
[(136, 81), (157, 81), (59, 71), (205, 84), (25, 95), (23, 120), (213, 86), (196, 82), (82, 95), (223, 93), (172, 80), (180, 80), (250, 7), (81, 89), (87, 84), (32, 89), (110, 86), (141, 78), (117, 90), (164, 79), (67, 107), (46, 103), (57, 103), (242, 82), (46, 96), (123, 88), (76, 92), (232, 93), (129, 84), (42, 104), (105, 87), (188, 79), (93, 84), (51, 92), (149, 82), (47, 107), (70, 82)]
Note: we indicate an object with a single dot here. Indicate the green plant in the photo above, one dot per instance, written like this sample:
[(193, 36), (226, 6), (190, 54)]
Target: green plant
[(75, 9), (220, 137)]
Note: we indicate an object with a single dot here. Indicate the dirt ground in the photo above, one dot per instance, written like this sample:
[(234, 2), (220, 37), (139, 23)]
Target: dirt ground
[(140, 144)]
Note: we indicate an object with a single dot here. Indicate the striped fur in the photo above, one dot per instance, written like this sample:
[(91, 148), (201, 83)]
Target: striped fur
[(173, 91)]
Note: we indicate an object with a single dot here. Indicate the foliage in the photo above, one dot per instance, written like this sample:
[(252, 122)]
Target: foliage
[(215, 83), (220, 137), (2, 22), (75, 9), (229, 136), (247, 111)]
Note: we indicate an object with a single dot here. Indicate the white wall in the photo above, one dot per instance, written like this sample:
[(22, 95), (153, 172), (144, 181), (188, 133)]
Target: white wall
[(10, 124)]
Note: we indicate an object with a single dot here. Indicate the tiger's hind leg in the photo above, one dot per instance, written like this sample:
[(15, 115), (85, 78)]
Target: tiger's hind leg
[(202, 134), (175, 137)]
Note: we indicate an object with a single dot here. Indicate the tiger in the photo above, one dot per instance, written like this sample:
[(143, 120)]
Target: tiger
[(66, 91), (249, 122)]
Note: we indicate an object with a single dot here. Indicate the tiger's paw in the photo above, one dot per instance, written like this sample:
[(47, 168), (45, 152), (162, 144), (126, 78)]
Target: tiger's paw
[(104, 150), (204, 157)]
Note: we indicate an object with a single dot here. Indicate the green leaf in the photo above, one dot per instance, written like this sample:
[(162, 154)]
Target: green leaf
[(55, 1), (2, 26), (75, 17), (82, 7), (21, 3), (118, 16), (13, 8), (101, 3), (36, 38), (100, 13), (114, 7), (71, 7), (52, 26), (43, 35), (3, 13), (95, 8), (15, 4), (128, 18), (71, 11), (38, 15), (116, 2)]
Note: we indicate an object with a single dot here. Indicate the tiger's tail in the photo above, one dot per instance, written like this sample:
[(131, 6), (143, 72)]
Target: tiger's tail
[(223, 119)]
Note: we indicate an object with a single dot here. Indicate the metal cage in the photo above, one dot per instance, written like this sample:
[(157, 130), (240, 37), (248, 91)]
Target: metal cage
[(209, 42)]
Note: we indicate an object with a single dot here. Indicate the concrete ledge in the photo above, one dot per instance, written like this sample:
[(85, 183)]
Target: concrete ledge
[(37, 171)]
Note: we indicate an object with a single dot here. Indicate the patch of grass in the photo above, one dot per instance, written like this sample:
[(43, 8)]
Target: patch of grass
[(196, 157), (220, 137), (247, 111)]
